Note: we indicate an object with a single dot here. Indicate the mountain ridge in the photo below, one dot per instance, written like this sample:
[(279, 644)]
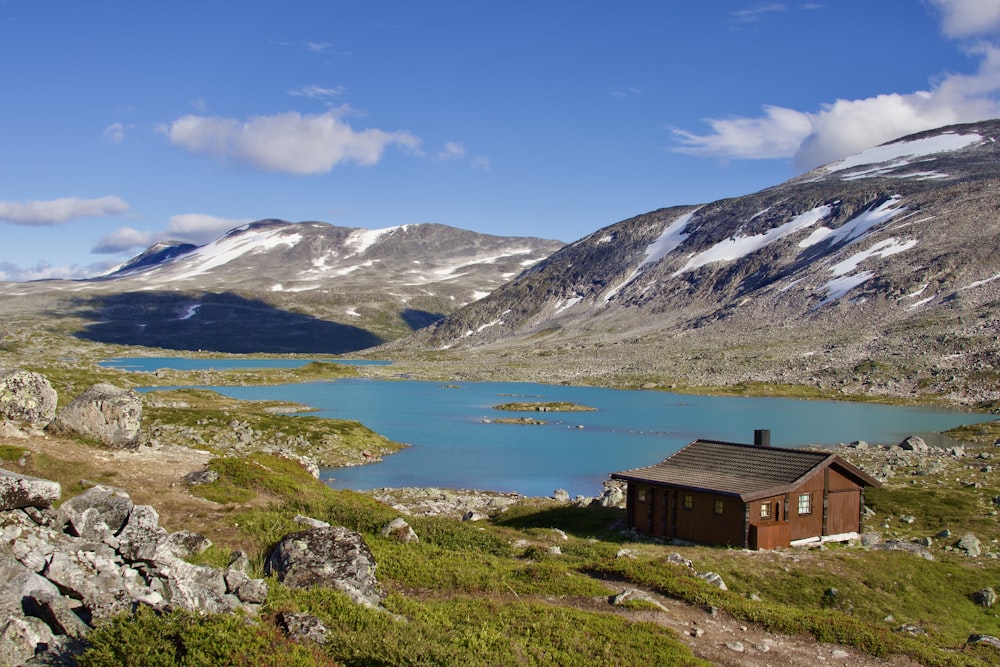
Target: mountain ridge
[(885, 254)]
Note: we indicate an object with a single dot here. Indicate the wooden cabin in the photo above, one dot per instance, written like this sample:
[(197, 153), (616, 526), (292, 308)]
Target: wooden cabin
[(747, 495)]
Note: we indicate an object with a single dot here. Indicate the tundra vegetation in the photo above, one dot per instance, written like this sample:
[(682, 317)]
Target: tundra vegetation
[(530, 583)]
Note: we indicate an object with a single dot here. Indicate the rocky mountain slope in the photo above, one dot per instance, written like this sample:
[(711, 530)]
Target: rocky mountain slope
[(275, 286), (875, 274)]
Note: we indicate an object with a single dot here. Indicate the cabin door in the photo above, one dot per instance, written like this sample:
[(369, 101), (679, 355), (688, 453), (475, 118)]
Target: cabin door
[(843, 512)]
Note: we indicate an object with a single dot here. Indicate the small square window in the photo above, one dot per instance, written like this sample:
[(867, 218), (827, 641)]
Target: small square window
[(765, 510), (640, 495), (805, 503), (688, 501), (719, 506)]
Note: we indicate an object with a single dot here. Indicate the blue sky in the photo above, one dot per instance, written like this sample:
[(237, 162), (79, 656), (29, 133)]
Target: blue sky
[(125, 123)]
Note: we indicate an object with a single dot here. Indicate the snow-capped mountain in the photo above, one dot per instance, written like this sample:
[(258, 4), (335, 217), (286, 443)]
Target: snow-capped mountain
[(293, 287), (889, 255)]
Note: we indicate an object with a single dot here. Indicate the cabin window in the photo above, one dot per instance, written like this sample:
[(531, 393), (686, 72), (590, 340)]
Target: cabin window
[(688, 501), (805, 503), (719, 506), (640, 495), (765, 510)]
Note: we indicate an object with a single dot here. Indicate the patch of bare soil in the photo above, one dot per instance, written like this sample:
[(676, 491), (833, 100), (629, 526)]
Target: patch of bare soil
[(151, 476), (716, 636)]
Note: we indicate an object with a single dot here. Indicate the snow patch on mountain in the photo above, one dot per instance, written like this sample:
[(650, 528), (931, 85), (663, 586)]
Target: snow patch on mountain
[(917, 148), (856, 227), (361, 239), (737, 247), (669, 240), (230, 247)]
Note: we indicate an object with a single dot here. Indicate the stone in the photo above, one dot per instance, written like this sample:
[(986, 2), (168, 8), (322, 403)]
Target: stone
[(984, 639), (914, 443), (56, 612), (186, 543), (985, 597), (26, 397), (20, 491), (334, 557), (473, 515), (714, 579), (97, 505), (970, 545), (311, 522), (400, 531), (560, 495), (678, 559), (141, 537), (633, 595), (108, 414), (304, 628)]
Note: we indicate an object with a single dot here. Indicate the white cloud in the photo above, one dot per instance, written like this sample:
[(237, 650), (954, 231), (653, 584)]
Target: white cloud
[(115, 132), (288, 142), (200, 228), (197, 228), (318, 92), (481, 162), (452, 151), (845, 127), (59, 211), (45, 271), (122, 240), (777, 134), (966, 18), (755, 14)]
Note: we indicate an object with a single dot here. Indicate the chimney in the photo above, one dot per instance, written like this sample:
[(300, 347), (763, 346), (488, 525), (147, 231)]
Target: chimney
[(762, 437)]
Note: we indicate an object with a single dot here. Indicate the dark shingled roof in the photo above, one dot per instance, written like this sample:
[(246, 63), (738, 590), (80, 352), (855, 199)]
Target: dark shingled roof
[(747, 471)]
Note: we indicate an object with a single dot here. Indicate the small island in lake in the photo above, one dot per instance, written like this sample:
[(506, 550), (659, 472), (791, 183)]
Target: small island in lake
[(556, 406)]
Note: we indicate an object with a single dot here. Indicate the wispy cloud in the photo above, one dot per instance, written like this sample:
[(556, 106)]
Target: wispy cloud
[(452, 151), (115, 133), (288, 142), (59, 211), (623, 93), (45, 271), (755, 14), (318, 92), (845, 127), (481, 162), (318, 47)]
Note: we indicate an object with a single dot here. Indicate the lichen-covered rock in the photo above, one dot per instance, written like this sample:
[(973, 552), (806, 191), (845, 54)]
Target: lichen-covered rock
[(20, 491), (26, 397), (400, 531), (94, 512), (105, 413), (142, 536), (334, 557)]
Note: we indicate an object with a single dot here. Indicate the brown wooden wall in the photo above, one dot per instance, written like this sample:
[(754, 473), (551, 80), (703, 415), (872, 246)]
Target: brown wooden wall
[(662, 513)]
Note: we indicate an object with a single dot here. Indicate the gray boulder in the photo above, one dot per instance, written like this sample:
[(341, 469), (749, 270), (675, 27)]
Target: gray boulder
[(97, 510), (26, 397), (400, 531), (141, 537), (986, 597), (334, 557), (914, 443), (108, 414), (970, 545), (19, 491), (303, 628)]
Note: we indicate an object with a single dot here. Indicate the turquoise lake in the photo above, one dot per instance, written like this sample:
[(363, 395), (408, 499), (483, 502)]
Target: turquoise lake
[(452, 447)]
